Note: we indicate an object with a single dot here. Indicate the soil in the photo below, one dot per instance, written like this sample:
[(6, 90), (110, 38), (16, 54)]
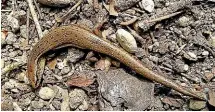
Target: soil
[(179, 47)]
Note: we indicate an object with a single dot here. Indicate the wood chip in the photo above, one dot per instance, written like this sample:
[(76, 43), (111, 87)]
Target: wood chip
[(103, 64), (80, 81), (52, 64)]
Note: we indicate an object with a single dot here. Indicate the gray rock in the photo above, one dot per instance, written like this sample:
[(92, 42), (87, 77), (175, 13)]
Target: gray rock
[(37, 104), (13, 54), (74, 55), (11, 38), (196, 105), (46, 93), (13, 23), (78, 99), (119, 89), (65, 70), (20, 15), (147, 5), (205, 53), (23, 32), (56, 104), (184, 21)]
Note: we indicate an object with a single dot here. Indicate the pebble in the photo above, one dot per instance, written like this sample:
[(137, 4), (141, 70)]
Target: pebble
[(22, 77), (74, 55), (184, 21), (13, 23), (20, 15), (196, 105), (23, 32), (78, 99), (65, 70), (13, 54), (186, 67), (46, 93), (190, 56), (147, 5), (37, 104), (205, 53), (16, 107), (154, 58), (126, 40), (10, 84), (11, 38), (61, 64), (2, 63)]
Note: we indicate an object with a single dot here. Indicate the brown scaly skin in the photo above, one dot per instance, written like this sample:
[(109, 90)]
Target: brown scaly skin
[(81, 38)]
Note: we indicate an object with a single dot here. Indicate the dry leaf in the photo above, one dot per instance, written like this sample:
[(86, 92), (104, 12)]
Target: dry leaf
[(211, 98), (52, 64), (112, 10), (103, 64), (80, 81), (172, 101), (4, 34)]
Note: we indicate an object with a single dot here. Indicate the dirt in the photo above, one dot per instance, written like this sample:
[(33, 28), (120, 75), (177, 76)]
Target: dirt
[(179, 47)]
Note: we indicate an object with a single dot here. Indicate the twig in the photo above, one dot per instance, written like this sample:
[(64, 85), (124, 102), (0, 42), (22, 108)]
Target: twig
[(11, 67), (38, 9), (27, 25), (35, 18), (62, 19), (136, 36), (146, 24), (180, 49), (6, 10), (165, 17), (131, 21)]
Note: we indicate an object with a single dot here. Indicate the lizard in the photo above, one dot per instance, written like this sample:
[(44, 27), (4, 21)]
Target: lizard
[(79, 37)]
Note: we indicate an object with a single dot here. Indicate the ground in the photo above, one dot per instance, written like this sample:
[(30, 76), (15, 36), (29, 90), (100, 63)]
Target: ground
[(180, 47)]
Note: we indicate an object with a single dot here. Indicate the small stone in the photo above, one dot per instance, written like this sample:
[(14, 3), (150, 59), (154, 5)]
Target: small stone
[(147, 5), (154, 58), (126, 40), (46, 93), (184, 21), (186, 67), (13, 54), (10, 84), (22, 77), (23, 32), (11, 38), (2, 63), (77, 98), (61, 64), (65, 70), (196, 105), (15, 90), (16, 107), (74, 55), (37, 104), (20, 15), (84, 105), (190, 56), (209, 76), (13, 23), (205, 53)]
